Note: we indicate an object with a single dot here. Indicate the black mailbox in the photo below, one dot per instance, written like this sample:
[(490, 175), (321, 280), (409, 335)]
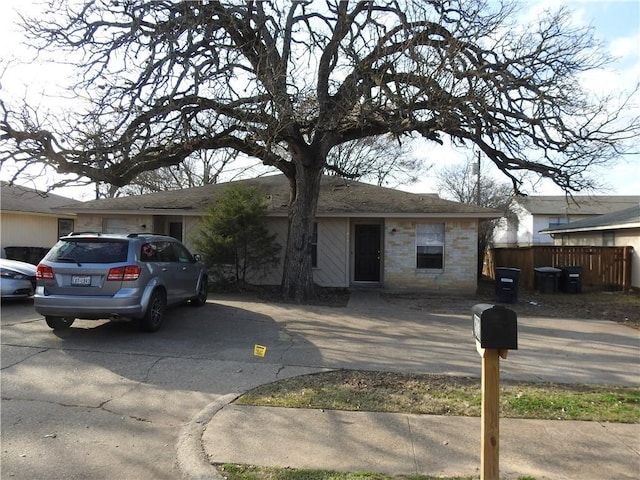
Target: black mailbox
[(495, 326)]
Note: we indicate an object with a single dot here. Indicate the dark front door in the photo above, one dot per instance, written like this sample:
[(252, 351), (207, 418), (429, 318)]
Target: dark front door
[(175, 230), (367, 253)]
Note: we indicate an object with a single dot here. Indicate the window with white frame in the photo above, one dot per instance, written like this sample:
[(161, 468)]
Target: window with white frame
[(430, 246), (608, 239)]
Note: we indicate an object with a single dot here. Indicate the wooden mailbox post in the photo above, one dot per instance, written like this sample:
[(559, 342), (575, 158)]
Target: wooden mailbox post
[(495, 329)]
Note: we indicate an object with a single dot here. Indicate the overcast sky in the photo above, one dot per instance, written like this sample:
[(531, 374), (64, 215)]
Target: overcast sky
[(617, 22)]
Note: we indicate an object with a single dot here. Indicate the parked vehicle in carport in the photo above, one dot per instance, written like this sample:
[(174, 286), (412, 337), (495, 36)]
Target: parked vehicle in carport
[(135, 276), (17, 279)]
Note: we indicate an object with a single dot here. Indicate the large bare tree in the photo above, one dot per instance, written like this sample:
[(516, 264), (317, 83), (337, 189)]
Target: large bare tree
[(288, 81)]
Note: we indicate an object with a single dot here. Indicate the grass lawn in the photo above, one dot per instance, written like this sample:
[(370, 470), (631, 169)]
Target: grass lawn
[(446, 395), (243, 472)]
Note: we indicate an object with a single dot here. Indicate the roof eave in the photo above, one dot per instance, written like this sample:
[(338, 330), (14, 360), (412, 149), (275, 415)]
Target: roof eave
[(613, 226), (407, 215), (144, 211), (198, 213), (52, 213)]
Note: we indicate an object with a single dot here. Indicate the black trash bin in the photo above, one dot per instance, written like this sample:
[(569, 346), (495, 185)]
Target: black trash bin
[(572, 279), (507, 284), (31, 255), (35, 254), (547, 279), (17, 253)]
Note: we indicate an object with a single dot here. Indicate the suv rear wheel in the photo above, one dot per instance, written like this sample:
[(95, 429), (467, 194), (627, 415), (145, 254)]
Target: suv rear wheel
[(152, 320), (59, 323)]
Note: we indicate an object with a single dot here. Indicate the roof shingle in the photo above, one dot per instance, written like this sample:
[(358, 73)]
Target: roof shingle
[(17, 198), (338, 197)]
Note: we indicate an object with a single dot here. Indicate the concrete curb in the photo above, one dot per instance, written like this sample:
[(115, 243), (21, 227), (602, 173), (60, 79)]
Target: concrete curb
[(191, 457)]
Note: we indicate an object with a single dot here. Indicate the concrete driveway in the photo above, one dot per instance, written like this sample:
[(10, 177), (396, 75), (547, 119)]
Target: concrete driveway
[(375, 334), (103, 400)]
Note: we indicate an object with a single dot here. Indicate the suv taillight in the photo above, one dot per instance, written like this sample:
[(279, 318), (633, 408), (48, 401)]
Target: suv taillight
[(124, 274), (44, 272)]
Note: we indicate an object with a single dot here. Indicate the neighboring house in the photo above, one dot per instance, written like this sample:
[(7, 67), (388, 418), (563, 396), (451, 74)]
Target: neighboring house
[(364, 234), (530, 215), (29, 224), (616, 229)]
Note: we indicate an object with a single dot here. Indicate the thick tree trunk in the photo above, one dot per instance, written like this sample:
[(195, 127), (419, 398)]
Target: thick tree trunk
[(297, 278)]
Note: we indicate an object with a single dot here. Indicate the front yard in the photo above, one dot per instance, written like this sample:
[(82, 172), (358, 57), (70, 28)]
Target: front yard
[(617, 307)]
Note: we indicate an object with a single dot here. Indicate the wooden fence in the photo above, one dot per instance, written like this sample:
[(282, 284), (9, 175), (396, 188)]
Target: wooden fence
[(603, 268)]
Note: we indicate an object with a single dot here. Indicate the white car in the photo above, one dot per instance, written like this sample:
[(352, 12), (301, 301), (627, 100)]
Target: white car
[(17, 279)]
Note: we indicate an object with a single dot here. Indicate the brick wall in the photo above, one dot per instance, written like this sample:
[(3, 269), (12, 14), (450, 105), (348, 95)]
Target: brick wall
[(460, 257)]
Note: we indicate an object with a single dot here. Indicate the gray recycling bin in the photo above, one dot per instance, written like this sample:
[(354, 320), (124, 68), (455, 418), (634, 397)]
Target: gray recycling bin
[(571, 279), (506, 285), (547, 279)]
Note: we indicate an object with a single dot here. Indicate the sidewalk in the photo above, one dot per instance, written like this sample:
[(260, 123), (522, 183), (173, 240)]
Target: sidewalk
[(419, 444)]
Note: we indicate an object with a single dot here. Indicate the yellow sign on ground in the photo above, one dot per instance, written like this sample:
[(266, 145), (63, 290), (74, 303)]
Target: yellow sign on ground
[(259, 350)]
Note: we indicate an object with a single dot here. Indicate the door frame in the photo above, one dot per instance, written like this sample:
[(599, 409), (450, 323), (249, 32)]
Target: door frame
[(378, 222)]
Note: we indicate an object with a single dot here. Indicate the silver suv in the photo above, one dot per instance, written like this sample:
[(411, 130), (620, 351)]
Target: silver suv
[(111, 276)]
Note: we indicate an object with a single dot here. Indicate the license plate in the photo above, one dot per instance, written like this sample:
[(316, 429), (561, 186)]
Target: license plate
[(81, 280)]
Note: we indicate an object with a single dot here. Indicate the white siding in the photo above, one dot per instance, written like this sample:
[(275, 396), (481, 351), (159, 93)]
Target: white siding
[(540, 222), (279, 227), (631, 237), (504, 233), (515, 231), (190, 230), (27, 230), (333, 253), (523, 230)]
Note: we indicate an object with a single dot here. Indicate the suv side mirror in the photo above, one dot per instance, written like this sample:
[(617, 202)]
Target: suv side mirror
[(197, 257)]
